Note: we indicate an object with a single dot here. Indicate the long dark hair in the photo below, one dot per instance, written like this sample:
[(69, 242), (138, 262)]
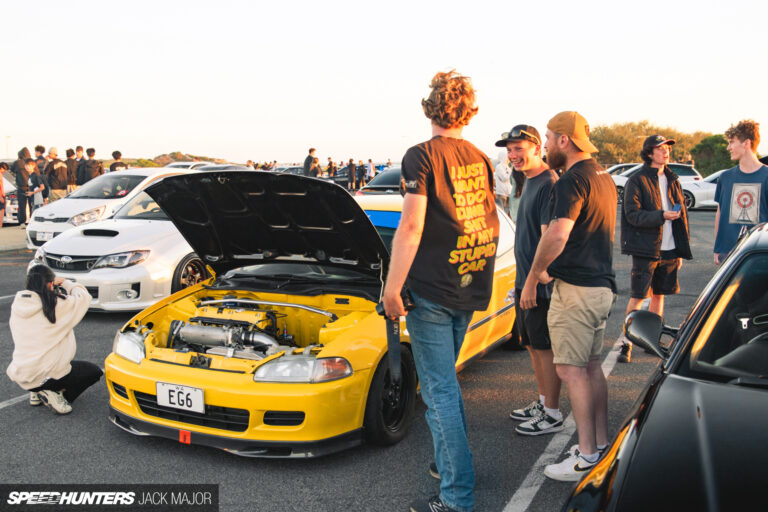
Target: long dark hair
[(38, 278)]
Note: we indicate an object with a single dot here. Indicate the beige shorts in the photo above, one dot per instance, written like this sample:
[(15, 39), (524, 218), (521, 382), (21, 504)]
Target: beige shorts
[(56, 194), (576, 321)]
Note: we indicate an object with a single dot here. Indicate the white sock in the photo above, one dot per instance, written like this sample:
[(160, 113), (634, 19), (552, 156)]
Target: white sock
[(541, 399), (602, 447), (555, 413), (590, 458)]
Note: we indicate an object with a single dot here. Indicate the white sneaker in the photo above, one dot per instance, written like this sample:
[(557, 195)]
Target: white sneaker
[(542, 424), (55, 401), (34, 400), (572, 469), (529, 412)]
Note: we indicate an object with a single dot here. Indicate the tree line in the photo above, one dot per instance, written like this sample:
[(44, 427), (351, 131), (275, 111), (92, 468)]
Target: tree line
[(622, 142)]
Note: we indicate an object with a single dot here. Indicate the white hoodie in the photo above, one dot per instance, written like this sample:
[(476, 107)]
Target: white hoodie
[(43, 350), (502, 174)]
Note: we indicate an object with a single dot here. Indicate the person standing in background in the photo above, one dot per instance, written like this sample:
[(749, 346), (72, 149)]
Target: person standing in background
[(308, 161), (502, 184), (19, 168), (3, 168), (92, 167), (40, 159), (118, 164), (71, 171), (56, 176)]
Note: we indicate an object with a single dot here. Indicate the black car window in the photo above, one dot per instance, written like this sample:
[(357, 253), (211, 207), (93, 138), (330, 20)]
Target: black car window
[(388, 178), (682, 170), (733, 340), (108, 186)]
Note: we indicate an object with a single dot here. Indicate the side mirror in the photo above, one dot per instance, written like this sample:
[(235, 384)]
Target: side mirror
[(645, 329)]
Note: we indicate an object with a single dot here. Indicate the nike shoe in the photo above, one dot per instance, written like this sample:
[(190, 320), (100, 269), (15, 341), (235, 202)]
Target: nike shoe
[(530, 411), (433, 504), (572, 469), (542, 424), (34, 400), (55, 401)]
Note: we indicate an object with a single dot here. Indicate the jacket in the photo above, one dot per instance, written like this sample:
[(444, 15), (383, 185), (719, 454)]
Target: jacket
[(56, 172), (92, 169), (642, 217), (42, 350), (80, 178), (72, 171), (19, 169)]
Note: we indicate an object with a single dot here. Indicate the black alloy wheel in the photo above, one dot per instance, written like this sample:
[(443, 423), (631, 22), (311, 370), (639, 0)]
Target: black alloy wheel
[(389, 409), (689, 200), (190, 271)]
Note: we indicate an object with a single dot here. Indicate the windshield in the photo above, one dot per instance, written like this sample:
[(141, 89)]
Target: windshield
[(388, 178), (631, 170), (734, 339), (108, 186), (141, 207)]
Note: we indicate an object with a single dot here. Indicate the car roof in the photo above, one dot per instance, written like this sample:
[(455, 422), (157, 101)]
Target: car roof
[(391, 203)]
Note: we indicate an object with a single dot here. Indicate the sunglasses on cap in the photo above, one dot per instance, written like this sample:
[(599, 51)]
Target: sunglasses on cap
[(518, 132)]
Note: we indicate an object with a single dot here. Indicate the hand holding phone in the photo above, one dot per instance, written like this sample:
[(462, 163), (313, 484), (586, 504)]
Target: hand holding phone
[(677, 207)]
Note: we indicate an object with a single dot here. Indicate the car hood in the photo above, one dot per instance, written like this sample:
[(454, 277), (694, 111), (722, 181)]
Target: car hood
[(112, 236), (700, 443), (68, 207), (237, 218)]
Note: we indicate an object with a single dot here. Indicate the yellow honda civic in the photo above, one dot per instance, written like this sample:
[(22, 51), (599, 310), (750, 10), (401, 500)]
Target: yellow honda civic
[(281, 353)]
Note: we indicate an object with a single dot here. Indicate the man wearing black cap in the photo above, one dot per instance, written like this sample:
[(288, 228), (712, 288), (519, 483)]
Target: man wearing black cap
[(654, 230), (542, 416)]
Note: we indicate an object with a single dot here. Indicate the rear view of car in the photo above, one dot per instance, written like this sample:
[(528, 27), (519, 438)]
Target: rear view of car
[(386, 182)]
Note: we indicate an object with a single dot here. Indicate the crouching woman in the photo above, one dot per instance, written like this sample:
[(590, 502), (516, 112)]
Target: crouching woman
[(42, 321)]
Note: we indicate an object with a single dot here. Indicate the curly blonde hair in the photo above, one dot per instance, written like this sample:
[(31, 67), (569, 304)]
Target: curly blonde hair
[(746, 129), (452, 101)]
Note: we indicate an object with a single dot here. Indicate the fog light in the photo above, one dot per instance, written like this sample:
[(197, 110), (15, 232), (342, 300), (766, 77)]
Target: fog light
[(127, 294)]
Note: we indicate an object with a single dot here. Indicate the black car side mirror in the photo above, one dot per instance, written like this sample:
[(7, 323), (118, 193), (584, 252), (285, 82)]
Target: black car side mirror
[(645, 329)]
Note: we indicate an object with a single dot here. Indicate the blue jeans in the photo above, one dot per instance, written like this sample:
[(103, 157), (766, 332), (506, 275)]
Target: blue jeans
[(436, 334)]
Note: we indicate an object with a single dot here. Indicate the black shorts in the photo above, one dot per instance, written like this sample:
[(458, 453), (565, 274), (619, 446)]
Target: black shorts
[(658, 276), (532, 324)]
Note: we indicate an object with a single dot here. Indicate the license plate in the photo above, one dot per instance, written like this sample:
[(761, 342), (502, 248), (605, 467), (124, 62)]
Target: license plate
[(180, 397), (44, 235)]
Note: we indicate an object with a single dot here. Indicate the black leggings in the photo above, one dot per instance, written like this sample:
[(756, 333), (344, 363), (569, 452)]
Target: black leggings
[(82, 376)]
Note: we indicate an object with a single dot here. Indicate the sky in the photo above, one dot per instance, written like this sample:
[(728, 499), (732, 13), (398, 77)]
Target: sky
[(267, 80)]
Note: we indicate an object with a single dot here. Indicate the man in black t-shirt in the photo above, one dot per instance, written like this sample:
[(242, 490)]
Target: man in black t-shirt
[(118, 164), (449, 197), (577, 251), (308, 161)]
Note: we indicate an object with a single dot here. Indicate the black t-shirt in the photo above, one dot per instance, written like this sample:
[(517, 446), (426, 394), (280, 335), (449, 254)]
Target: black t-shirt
[(117, 166), (586, 194), (455, 260), (532, 213)]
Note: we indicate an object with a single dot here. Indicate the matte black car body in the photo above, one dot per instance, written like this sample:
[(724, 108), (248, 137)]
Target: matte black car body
[(697, 440)]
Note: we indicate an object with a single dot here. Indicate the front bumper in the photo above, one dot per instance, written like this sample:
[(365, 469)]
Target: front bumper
[(35, 227), (331, 413), (109, 287)]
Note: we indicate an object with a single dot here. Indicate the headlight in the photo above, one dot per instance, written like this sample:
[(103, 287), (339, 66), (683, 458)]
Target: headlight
[(121, 259), (40, 256), (129, 345), (87, 216), (303, 369)]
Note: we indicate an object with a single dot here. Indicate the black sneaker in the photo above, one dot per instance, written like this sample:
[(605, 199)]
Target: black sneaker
[(542, 424), (530, 411), (433, 472), (433, 504), (625, 355)]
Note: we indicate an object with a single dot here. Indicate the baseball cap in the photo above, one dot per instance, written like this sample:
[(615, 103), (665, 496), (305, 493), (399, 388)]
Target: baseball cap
[(573, 124), (519, 132), (655, 141)]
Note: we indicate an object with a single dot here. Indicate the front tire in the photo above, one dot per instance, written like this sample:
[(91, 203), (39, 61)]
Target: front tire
[(189, 272), (689, 200), (386, 424)]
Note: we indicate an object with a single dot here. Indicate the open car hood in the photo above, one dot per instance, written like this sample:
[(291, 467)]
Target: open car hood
[(237, 218)]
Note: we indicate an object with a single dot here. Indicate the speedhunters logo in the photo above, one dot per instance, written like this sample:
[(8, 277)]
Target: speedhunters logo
[(171, 497)]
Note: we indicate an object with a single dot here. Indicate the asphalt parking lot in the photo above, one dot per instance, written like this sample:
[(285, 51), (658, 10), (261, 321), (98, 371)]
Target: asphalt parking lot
[(83, 447)]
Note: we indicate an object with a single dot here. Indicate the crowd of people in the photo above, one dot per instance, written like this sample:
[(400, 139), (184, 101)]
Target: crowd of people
[(46, 178), (565, 282)]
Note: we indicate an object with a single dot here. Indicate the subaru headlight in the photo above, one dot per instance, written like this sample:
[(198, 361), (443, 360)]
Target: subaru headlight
[(39, 257), (121, 259), (303, 369), (87, 216), (129, 345)]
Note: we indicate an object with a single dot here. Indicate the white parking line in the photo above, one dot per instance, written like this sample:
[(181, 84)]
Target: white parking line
[(524, 495), (12, 401), (7, 297)]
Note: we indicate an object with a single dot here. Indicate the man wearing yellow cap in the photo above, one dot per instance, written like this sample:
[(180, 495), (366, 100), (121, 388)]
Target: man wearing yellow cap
[(576, 251)]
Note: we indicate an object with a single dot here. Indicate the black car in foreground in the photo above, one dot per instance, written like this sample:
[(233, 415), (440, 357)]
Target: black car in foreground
[(697, 438)]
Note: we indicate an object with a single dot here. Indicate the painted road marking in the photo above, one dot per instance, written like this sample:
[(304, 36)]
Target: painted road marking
[(524, 495)]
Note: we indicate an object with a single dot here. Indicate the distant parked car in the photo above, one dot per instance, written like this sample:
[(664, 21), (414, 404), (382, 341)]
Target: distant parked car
[(684, 172), (98, 199), (11, 202), (223, 167), (620, 168), (187, 165), (386, 182), (297, 170), (701, 194)]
